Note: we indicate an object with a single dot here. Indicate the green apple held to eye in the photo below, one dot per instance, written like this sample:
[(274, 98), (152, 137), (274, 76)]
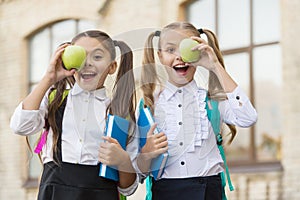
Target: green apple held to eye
[(73, 57), (185, 48)]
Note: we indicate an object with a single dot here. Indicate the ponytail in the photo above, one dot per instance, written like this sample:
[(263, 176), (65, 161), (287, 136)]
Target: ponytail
[(215, 90), (149, 77), (53, 106), (124, 95)]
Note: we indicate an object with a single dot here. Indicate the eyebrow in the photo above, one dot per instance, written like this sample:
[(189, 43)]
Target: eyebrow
[(98, 49), (170, 43)]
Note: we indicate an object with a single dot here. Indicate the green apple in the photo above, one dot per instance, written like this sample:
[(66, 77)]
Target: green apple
[(73, 57), (185, 48)]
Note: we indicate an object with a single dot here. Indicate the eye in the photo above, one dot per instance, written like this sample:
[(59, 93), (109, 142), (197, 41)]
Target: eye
[(97, 57), (170, 50)]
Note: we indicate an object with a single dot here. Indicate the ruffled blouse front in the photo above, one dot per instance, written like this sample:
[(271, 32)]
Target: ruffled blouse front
[(180, 113)]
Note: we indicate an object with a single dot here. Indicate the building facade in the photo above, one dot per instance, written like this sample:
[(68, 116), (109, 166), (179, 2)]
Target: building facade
[(259, 36)]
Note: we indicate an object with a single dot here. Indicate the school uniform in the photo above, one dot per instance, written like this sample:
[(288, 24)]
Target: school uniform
[(81, 122), (194, 164)]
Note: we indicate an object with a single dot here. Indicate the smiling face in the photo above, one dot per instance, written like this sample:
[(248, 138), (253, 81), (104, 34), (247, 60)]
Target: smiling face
[(180, 73), (97, 66)]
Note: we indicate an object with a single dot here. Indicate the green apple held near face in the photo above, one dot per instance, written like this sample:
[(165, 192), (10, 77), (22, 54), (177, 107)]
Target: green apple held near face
[(73, 57), (185, 48)]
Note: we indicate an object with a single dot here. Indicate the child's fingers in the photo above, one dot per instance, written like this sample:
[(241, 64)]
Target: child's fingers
[(151, 130), (110, 139), (102, 156), (161, 137), (161, 151), (198, 39), (112, 143), (58, 52), (162, 144), (161, 134), (68, 73), (200, 47)]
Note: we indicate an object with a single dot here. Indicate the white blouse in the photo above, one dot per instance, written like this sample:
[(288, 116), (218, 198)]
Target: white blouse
[(180, 113), (82, 128)]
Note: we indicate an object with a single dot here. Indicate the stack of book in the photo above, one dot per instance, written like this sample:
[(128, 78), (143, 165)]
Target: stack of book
[(117, 128), (145, 121)]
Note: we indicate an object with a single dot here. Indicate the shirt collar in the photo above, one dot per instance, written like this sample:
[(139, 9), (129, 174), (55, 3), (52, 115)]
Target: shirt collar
[(99, 93), (171, 90)]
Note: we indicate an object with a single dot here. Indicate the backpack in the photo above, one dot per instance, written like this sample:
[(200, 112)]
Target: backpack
[(43, 137), (213, 115)]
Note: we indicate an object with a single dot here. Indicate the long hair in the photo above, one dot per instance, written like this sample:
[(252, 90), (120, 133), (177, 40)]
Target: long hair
[(124, 96), (149, 75)]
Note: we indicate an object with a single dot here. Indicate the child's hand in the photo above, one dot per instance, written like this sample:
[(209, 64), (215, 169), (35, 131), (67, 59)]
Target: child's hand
[(111, 152), (208, 58), (55, 71), (156, 144)]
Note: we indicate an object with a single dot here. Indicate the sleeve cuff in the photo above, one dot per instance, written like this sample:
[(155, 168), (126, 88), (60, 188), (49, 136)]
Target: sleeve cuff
[(131, 189), (237, 98), (240, 111), (26, 122)]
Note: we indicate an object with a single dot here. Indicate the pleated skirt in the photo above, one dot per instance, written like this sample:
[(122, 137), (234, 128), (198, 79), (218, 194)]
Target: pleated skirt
[(198, 188), (68, 181)]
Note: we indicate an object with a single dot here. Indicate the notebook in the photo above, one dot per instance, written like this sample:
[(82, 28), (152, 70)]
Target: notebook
[(144, 122), (116, 127)]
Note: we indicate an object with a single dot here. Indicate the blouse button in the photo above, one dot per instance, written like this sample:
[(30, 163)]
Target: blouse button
[(180, 143), (180, 123), (182, 163), (179, 91), (237, 97), (179, 105)]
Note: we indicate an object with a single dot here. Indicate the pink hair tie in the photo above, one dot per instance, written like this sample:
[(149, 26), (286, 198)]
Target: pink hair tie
[(41, 142)]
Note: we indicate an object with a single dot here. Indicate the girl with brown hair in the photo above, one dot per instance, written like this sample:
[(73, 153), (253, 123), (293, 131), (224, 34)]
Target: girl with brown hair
[(75, 143)]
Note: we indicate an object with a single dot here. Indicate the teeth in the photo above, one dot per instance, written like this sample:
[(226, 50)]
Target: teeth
[(87, 73), (180, 66)]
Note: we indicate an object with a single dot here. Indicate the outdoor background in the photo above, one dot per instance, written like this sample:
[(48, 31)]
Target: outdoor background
[(259, 40)]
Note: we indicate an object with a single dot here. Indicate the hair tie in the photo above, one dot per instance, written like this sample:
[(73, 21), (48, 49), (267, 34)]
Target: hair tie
[(157, 33), (115, 42), (201, 31)]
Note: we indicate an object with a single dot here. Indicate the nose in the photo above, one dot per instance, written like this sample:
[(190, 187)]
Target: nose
[(177, 56), (87, 64), (88, 61)]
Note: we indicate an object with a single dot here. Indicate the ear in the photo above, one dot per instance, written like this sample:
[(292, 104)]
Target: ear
[(112, 67), (159, 55)]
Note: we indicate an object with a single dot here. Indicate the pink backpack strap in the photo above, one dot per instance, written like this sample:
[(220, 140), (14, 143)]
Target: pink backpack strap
[(41, 142)]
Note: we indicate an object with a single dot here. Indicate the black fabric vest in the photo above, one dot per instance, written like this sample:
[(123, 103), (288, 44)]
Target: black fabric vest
[(59, 114)]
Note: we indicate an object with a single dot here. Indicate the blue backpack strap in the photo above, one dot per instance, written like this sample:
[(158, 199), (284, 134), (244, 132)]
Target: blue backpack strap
[(148, 188), (148, 178), (213, 115)]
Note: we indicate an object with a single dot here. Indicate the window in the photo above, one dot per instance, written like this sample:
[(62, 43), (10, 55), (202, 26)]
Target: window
[(249, 36), (42, 44)]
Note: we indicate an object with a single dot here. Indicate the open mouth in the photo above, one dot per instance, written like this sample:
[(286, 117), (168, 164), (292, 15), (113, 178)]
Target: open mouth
[(88, 75), (181, 68)]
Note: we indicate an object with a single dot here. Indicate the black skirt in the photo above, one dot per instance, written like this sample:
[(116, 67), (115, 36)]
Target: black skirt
[(68, 181), (198, 188)]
